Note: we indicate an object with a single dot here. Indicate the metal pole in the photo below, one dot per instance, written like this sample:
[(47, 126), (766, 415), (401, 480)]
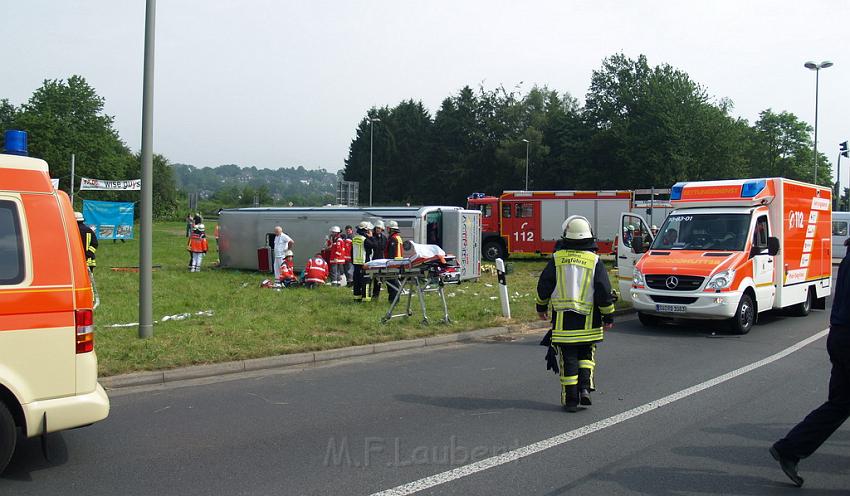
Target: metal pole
[(838, 187), (72, 180), (527, 144), (371, 141), (146, 239), (817, 77)]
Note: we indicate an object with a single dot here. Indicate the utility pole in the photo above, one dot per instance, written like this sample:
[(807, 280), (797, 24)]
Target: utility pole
[(146, 235), (72, 181)]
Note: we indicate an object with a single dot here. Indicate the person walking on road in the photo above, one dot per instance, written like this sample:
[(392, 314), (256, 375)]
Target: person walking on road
[(807, 436), (575, 285), (282, 244)]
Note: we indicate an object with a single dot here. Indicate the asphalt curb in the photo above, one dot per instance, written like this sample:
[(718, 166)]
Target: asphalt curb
[(310, 358)]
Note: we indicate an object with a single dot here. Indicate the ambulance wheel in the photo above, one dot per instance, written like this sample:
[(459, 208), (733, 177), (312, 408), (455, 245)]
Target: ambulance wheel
[(493, 250), (745, 317), (803, 309), (8, 436), (648, 320)]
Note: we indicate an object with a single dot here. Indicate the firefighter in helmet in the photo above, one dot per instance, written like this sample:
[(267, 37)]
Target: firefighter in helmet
[(361, 248), (89, 239), (395, 251), (575, 286)]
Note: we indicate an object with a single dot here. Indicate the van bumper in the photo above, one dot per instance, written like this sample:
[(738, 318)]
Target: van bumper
[(67, 412), (715, 306)]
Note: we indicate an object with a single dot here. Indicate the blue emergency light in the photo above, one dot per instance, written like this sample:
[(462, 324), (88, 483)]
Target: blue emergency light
[(16, 142), (752, 188), (676, 191)]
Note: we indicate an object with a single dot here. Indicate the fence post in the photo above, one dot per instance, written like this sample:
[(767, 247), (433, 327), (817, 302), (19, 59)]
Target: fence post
[(503, 288)]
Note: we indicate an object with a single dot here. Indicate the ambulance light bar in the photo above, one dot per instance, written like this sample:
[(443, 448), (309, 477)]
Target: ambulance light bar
[(15, 142), (752, 188)]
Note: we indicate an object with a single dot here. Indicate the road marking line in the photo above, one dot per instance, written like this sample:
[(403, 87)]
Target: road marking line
[(525, 451)]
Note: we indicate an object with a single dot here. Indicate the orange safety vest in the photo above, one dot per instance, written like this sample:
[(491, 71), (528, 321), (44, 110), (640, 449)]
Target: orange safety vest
[(197, 243), (394, 247), (317, 270)]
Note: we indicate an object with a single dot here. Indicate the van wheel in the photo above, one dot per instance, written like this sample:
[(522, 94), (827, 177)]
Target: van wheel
[(493, 250), (803, 309), (648, 320), (8, 436), (745, 317)]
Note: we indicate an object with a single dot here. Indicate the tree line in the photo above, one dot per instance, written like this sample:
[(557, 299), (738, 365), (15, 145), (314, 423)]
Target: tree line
[(640, 126), (65, 117)]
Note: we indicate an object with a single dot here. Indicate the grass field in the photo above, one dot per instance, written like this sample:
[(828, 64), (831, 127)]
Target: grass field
[(248, 321)]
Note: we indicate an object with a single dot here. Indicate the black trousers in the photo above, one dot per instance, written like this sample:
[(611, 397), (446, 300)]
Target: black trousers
[(392, 284), (362, 288), (815, 429), (577, 363)]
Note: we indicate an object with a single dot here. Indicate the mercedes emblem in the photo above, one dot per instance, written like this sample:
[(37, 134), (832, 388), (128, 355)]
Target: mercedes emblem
[(671, 282)]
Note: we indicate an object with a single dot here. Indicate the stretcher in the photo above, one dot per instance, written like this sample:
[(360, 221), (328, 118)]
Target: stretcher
[(420, 274)]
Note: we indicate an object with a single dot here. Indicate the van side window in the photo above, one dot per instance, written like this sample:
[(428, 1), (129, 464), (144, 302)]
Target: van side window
[(839, 228), (11, 245), (760, 235)]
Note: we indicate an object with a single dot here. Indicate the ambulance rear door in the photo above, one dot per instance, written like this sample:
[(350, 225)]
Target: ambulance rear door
[(462, 238)]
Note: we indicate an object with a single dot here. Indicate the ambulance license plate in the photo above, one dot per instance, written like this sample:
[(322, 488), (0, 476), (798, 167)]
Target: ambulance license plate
[(670, 308)]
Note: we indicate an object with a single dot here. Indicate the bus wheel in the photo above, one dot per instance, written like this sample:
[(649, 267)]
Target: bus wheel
[(803, 309), (8, 435), (745, 317), (493, 250)]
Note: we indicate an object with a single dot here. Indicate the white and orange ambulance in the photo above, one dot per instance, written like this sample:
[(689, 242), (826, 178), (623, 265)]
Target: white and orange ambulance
[(731, 250), (48, 368)]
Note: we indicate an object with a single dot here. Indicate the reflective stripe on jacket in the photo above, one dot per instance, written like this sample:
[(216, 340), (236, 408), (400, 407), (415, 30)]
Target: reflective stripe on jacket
[(576, 284), (316, 270), (358, 250)]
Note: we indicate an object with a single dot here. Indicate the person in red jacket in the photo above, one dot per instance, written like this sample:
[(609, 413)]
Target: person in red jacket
[(336, 244), (287, 270), (316, 271), (348, 235), (197, 247)]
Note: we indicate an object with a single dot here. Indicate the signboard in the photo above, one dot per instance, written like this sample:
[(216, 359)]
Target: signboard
[(110, 220), (55, 183), (87, 183)]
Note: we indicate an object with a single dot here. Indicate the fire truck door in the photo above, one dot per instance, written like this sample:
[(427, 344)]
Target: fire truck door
[(521, 225), (632, 227)]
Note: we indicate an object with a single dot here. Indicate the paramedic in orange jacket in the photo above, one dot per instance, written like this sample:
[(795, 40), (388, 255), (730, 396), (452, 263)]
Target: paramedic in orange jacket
[(395, 251), (336, 245), (287, 270), (197, 247)]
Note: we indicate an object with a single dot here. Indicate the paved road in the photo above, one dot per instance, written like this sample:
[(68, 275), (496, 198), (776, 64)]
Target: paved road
[(370, 424)]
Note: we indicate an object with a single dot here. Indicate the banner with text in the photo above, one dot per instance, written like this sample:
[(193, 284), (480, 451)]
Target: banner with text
[(110, 220), (87, 183)]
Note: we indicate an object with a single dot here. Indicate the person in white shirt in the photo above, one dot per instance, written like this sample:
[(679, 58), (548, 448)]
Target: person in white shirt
[(282, 243)]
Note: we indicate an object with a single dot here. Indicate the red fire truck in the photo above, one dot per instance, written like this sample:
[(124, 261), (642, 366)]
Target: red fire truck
[(530, 221)]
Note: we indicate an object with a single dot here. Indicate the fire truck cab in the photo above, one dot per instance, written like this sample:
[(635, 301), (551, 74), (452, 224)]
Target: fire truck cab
[(729, 251), (48, 368), (530, 221)]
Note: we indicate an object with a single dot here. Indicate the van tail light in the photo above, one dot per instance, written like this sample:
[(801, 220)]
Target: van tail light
[(85, 330)]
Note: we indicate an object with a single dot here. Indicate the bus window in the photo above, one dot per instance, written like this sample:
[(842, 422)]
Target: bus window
[(839, 228)]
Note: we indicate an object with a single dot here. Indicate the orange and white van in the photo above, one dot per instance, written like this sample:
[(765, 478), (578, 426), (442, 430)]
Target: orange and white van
[(48, 368), (731, 250)]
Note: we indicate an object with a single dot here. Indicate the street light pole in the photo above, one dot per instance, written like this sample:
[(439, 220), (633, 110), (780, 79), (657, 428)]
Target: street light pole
[(527, 144), (817, 68), (372, 121), (145, 218)]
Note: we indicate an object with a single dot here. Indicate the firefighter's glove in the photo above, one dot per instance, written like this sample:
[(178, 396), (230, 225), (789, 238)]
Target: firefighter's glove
[(615, 297), (552, 360)]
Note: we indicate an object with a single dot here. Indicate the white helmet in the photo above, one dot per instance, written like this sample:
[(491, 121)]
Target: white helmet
[(392, 225), (288, 253), (79, 217), (200, 227), (576, 227), (363, 225), (380, 224), (336, 229), (369, 225)]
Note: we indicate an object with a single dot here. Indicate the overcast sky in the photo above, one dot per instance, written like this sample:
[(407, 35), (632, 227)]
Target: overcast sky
[(282, 83)]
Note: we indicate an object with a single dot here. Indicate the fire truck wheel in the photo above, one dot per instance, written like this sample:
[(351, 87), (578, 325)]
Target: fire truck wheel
[(648, 320), (8, 435), (493, 250), (745, 317), (803, 309)]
